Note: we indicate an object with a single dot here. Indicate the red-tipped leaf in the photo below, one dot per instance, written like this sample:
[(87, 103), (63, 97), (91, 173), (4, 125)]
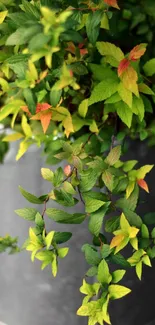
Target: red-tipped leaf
[(143, 185)]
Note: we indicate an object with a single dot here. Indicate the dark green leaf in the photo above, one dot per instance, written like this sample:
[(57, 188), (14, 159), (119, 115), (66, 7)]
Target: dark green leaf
[(119, 259), (112, 224), (61, 237), (93, 25), (149, 218), (92, 257)]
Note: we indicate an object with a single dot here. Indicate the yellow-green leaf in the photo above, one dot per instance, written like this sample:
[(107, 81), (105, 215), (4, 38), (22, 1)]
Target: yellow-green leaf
[(13, 137), (11, 108), (124, 223), (141, 172), (139, 269), (47, 174), (134, 243), (133, 231), (49, 238), (104, 22), (83, 108), (125, 94), (26, 127), (130, 189), (113, 156), (108, 49), (54, 266), (3, 15), (103, 272), (23, 147), (117, 291)]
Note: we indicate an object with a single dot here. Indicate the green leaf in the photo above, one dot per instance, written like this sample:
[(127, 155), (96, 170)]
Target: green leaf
[(138, 107), (92, 257), (128, 165), (93, 25), (31, 9), (64, 198), (108, 49), (61, 237), (92, 205), (153, 233), (118, 275), (92, 271), (113, 156), (39, 221), (47, 174), (120, 260), (64, 217), (145, 231), (88, 179), (22, 35), (96, 219), (124, 113), (30, 197), (101, 72), (69, 188), (49, 238), (107, 178), (103, 272), (149, 218), (112, 224), (131, 202), (58, 177), (143, 88), (27, 213), (149, 68), (62, 252), (103, 90), (55, 96), (133, 218), (83, 108), (105, 251), (117, 291)]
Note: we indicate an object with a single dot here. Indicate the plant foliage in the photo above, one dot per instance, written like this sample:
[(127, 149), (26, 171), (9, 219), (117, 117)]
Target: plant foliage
[(78, 78)]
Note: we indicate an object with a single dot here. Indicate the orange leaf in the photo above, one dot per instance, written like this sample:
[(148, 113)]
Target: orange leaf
[(42, 107), (116, 240), (45, 120), (123, 66), (137, 52), (67, 170), (112, 3), (44, 117), (26, 110), (143, 185)]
